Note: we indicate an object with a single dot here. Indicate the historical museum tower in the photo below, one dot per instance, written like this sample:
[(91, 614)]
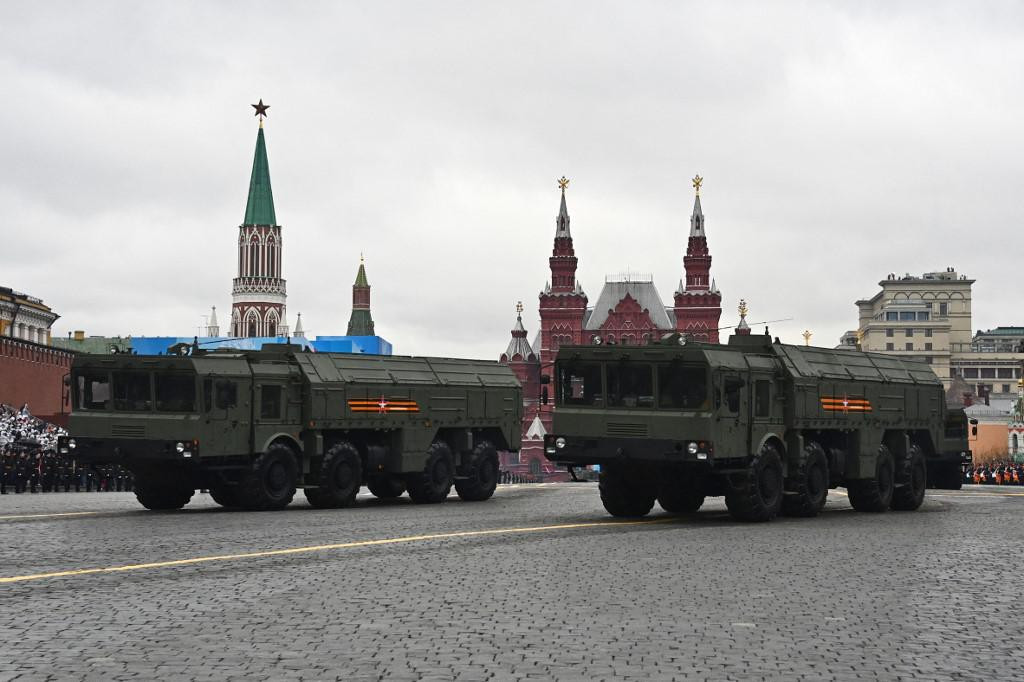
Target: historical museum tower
[(562, 303), (698, 308), (258, 292)]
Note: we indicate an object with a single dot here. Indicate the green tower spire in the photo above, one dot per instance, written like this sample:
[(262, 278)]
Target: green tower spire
[(259, 209), (361, 280)]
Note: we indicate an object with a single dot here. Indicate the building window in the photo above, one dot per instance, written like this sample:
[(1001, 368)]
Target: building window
[(910, 332), (970, 373), (922, 315), (1006, 388), (928, 333), (888, 332), (910, 346), (988, 373), (888, 346), (892, 316), (1005, 372), (943, 309), (927, 346), (907, 317)]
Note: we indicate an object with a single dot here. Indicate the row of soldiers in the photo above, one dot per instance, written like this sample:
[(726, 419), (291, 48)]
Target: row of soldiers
[(996, 474), (28, 470)]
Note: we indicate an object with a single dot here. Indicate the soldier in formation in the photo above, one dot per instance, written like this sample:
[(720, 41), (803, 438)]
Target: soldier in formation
[(1002, 473), (24, 469)]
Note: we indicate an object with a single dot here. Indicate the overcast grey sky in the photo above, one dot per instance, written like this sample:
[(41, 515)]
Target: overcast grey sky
[(838, 142)]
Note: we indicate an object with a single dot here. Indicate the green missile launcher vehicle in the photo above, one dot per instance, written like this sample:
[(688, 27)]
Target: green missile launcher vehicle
[(252, 426), (770, 426)]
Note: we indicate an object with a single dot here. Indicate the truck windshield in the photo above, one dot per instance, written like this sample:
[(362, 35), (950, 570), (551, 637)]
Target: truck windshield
[(682, 387), (175, 393), (132, 392), (579, 383), (92, 391), (630, 384)]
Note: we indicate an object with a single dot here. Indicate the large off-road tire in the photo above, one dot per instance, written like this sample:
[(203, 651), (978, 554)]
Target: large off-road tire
[(759, 496), (341, 474), (807, 487), (874, 494), (433, 484), (269, 484), (162, 493), (386, 487), (481, 474), (625, 490), (681, 494), (225, 495), (912, 481)]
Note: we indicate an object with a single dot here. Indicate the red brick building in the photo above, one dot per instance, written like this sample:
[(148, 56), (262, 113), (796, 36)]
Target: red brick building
[(629, 310)]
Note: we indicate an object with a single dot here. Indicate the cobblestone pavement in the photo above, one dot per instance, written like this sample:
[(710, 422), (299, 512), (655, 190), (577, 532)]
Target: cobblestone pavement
[(930, 595)]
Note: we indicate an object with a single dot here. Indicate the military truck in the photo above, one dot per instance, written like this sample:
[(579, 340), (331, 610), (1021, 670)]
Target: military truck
[(253, 426), (772, 427)]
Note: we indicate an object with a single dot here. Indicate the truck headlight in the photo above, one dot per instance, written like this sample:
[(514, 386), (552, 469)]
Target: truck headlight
[(72, 444), (559, 442), (180, 448), (692, 448)]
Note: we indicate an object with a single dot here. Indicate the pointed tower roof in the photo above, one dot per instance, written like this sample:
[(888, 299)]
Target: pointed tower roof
[(697, 217), (298, 327), (562, 221), (259, 209), (519, 345), (361, 280), (743, 329), (213, 318)]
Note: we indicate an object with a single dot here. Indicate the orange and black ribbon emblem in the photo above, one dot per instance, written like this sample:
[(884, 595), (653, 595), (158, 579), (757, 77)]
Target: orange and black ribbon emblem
[(383, 405), (845, 404)]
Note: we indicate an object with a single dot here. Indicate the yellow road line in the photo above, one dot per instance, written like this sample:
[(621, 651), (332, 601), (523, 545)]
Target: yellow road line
[(978, 494), (48, 516), (322, 548)]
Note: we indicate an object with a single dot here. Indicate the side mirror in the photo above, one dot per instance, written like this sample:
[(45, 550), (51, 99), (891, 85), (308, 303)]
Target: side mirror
[(544, 396)]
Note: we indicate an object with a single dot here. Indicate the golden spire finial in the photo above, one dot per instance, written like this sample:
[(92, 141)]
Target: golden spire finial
[(519, 308), (563, 182), (807, 337), (360, 257), (697, 182), (743, 308)]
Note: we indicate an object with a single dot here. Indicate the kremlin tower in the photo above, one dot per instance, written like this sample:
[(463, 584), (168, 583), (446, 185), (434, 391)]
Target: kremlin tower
[(361, 322), (258, 292)]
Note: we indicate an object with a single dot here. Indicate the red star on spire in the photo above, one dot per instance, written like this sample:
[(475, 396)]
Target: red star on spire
[(261, 109)]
